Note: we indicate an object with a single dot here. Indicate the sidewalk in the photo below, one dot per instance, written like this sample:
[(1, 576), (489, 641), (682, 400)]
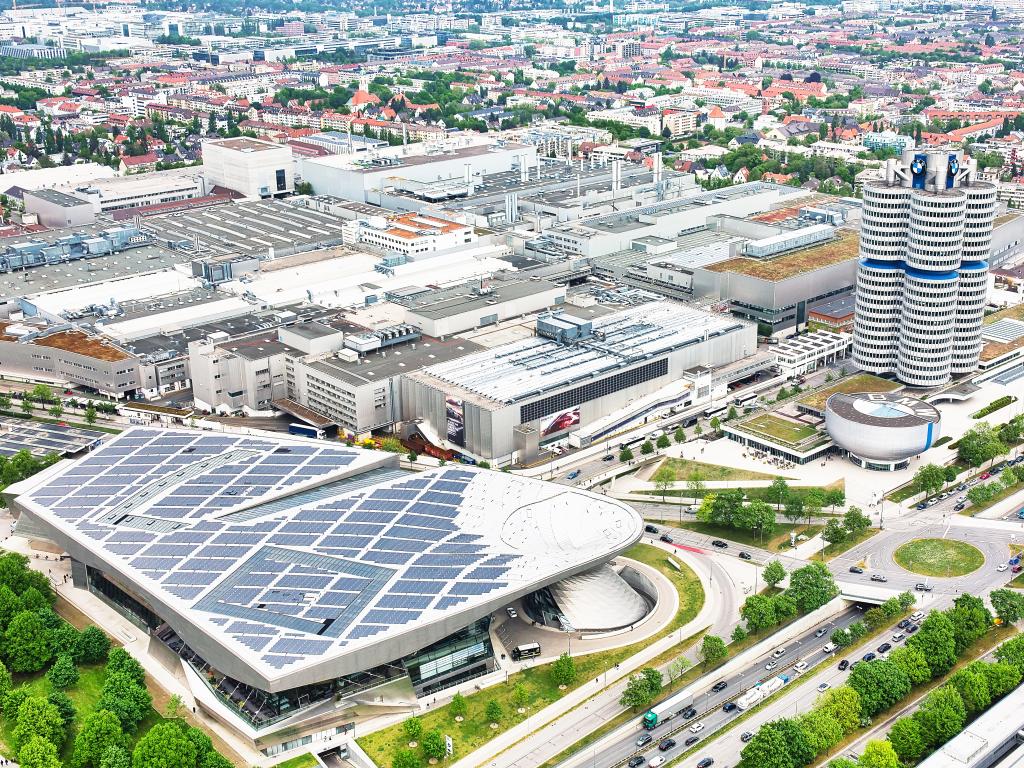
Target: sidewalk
[(557, 727)]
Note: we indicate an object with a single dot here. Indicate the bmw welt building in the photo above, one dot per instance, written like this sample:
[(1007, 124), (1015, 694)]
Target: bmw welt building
[(301, 585)]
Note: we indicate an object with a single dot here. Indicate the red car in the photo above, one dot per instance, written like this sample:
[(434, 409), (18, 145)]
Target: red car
[(986, 476)]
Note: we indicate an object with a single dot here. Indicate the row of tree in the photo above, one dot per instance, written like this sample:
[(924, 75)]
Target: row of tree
[(810, 587), (875, 686)]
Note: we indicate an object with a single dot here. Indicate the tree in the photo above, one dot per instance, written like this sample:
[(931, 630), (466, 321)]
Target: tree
[(970, 618), (119, 661), (698, 430), (625, 455), (695, 485), (38, 717), (905, 737), (93, 645), (563, 671), (457, 707), (405, 758), (663, 441), (822, 732), (1002, 678), (27, 643), (759, 613), (680, 435), (739, 634), (164, 745), (800, 750), (779, 492), (26, 405), (875, 618), (493, 711), (520, 696), (63, 673), (677, 667), (880, 684), (712, 650), (56, 410), (937, 641), (173, 708), (636, 695), (774, 573), (835, 497), (647, 448), (979, 444), (664, 479), (785, 607), (929, 479), (65, 706), (768, 749), (835, 532), (1008, 604), (941, 716), (812, 586), (38, 753), (90, 414), (115, 757), (125, 698), (912, 662), (412, 728), (64, 641), (856, 522), (100, 730), (10, 605), (878, 754), (794, 508), (434, 745), (42, 393)]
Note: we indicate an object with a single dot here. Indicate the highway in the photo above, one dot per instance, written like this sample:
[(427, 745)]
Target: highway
[(807, 647)]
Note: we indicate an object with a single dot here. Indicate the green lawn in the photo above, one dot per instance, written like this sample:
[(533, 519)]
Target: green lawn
[(939, 557), (474, 730), (834, 550), (778, 540), (299, 761), (859, 382), (84, 694), (684, 468), (762, 494), (784, 430)]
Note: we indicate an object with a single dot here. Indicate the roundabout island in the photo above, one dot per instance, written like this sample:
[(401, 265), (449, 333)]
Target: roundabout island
[(939, 557)]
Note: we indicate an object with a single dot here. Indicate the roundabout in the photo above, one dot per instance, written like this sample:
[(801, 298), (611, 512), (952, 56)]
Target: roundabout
[(939, 557)]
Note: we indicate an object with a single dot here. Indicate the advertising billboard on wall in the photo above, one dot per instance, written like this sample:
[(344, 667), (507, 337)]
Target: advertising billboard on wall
[(456, 418), (559, 422)]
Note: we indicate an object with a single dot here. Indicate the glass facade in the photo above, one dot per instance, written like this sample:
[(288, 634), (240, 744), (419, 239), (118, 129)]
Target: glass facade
[(461, 656), (592, 391)]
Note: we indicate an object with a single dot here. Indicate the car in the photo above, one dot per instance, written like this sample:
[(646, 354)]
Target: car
[(897, 637), (608, 457), (573, 475), (558, 450), (856, 569), (943, 496), (960, 506), (820, 632), (922, 505), (912, 629), (961, 499), (933, 502), (1017, 568), (744, 555), (696, 727), (771, 665), (729, 706), (822, 687), (720, 686), (843, 664), (962, 487), (868, 657), (688, 713), (636, 761), (704, 762), (651, 528), (922, 587), (829, 648), (666, 538), (644, 739), (656, 761), (879, 577), (885, 647), (691, 740), (854, 664), (512, 614), (719, 543), (799, 667), (666, 745), (746, 736), (778, 653), (917, 616), (985, 476), (904, 624), (1002, 567)]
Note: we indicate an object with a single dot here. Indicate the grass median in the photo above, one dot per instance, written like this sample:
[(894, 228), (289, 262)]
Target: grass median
[(475, 731), (939, 557)]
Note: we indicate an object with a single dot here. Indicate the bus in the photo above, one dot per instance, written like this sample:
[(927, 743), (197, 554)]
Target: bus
[(745, 398), (525, 651), (715, 410), (306, 431)]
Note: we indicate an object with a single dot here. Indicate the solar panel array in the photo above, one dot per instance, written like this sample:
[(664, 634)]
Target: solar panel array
[(40, 438), (205, 519), (1006, 331)]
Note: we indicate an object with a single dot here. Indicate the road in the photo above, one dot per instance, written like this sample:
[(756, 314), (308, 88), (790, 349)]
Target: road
[(709, 705)]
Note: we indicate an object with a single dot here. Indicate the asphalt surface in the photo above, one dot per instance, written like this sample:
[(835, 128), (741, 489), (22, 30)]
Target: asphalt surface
[(709, 705)]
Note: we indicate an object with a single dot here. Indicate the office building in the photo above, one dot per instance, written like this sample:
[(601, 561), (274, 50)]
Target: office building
[(254, 168), (923, 277)]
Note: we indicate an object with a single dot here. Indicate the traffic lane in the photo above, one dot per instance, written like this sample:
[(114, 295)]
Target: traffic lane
[(710, 703)]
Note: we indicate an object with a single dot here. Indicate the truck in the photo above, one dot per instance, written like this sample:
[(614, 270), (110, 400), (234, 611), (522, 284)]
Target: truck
[(749, 699), (305, 430), (768, 687), (666, 710)]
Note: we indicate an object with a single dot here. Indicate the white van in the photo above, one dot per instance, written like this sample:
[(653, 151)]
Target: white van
[(917, 615), (829, 648)]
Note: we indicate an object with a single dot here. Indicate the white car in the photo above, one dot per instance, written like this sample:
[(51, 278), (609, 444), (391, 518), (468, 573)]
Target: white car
[(917, 615), (822, 687), (771, 665), (778, 653), (696, 727), (1002, 567), (800, 666), (512, 614), (656, 761), (898, 637)]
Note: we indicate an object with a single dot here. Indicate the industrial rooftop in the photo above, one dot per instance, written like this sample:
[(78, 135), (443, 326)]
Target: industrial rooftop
[(805, 260)]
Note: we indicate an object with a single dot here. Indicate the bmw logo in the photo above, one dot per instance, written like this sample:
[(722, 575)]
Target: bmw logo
[(917, 166), (954, 166)]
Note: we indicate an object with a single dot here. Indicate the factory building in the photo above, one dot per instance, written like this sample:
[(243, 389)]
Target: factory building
[(254, 168)]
